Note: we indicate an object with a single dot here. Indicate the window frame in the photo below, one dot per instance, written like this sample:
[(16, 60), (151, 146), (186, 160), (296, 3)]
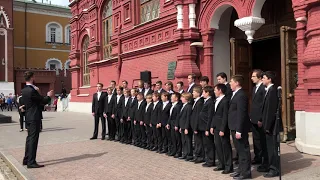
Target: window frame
[(107, 30), (85, 62), (147, 9)]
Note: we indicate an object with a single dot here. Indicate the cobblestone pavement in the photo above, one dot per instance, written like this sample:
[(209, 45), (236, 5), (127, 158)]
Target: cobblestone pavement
[(68, 154)]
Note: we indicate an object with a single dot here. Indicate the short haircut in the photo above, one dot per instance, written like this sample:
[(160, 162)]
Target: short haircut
[(156, 94), (109, 88), (120, 87), (258, 72), (238, 78), (270, 75), (170, 84), (176, 94), (127, 90), (159, 82), (166, 94), (209, 89), (205, 79), (140, 94), (113, 81), (100, 84), (28, 75), (180, 82), (221, 87), (187, 96), (125, 81), (193, 76), (135, 90), (197, 89), (147, 82), (149, 96), (223, 75)]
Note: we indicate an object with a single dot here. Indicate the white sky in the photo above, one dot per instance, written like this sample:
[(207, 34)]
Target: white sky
[(59, 2)]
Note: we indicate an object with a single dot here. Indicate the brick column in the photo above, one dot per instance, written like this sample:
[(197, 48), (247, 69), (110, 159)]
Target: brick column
[(206, 63)]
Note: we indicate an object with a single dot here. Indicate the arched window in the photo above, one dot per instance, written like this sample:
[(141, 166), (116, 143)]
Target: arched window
[(107, 29), (54, 64), (150, 10), (66, 67), (67, 33), (54, 32), (85, 68)]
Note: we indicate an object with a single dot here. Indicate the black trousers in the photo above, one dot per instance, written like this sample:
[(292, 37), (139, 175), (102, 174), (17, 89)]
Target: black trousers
[(149, 135), (186, 140), (209, 148), (32, 142), (143, 135), (198, 146), (224, 150), (111, 126), (165, 138), (97, 117), (117, 121), (137, 132), (176, 141), (272, 147), (155, 135), (160, 138), (243, 149), (169, 141), (121, 130), (22, 117), (259, 144), (126, 130)]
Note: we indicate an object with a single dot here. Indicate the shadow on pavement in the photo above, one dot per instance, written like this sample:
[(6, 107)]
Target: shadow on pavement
[(56, 129)]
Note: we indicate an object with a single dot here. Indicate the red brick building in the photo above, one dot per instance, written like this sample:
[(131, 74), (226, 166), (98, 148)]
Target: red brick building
[(116, 40)]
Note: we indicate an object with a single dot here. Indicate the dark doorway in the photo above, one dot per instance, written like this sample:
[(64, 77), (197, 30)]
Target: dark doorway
[(266, 55)]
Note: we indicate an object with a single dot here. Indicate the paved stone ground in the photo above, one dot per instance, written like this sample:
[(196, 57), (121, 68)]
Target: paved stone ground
[(68, 154)]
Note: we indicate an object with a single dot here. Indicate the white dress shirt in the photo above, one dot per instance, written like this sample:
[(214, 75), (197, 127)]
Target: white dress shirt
[(190, 86), (126, 99), (217, 102), (98, 94), (183, 106), (195, 102), (257, 86), (146, 92), (234, 92), (267, 88), (148, 106), (155, 104), (109, 98), (181, 91), (159, 91), (164, 104), (173, 105), (118, 98), (139, 103), (205, 100)]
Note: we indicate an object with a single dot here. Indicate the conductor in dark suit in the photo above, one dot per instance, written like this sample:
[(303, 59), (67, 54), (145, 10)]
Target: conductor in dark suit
[(239, 124), (98, 102), (32, 101), (259, 138), (269, 110)]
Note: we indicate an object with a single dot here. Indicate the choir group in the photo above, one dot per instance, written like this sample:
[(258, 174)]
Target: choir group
[(196, 125)]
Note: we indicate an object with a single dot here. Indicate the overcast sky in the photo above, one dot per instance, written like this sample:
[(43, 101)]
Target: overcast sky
[(59, 2)]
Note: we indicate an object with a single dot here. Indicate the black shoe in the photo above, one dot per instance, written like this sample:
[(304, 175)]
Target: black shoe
[(171, 154), (163, 151), (103, 138), (271, 174), (93, 138), (24, 163), (198, 161), (182, 157), (193, 160), (207, 165), (189, 158), (226, 172), (235, 174), (218, 169), (35, 166), (236, 162), (154, 149), (177, 156), (262, 168), (242, 177), (254, 162)]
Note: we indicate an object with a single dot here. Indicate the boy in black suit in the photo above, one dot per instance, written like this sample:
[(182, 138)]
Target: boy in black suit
[(117, 110), (223, 79), (180, 87), (147, 121), (110, 101), (98, 102), (172, 125), (219, 128), (269, 110), (124, 123), (132, 106), (138, 117), (159, 87), (147, 90), (164, 134), (155, 119), (194, 123), (258, 135), (184, 125), (239, 124)]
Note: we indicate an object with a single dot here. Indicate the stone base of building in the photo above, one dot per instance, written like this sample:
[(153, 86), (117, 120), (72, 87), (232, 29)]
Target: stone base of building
[(81, 107), (307, 126), (6, 88)]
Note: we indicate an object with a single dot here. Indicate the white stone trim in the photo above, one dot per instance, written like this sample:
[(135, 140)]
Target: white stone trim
[(59, 39), (301, 19), (215, 20), (67, 35), (249, 25), (307, 132), (180, 16), (6, 17), (3, 32), (55, 61), (192, 16), (41, 49)]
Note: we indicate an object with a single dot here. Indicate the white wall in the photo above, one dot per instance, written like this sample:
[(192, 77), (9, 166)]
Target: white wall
[(6, 88), (221, 45)]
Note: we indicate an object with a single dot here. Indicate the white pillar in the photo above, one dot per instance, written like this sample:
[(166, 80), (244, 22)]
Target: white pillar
[(180, 16), (192, 16), (249, 25)]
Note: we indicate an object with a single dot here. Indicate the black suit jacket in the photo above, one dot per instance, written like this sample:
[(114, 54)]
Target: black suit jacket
[(156, 113), (98, 105), (132, 106), (21, 103), (191, 89), (165, 113), (220, 115), (238, 118), (114, 91), (205, 116), (229, 92), (109, 106), (269, 110), (173, 118), (139, 111), (184, 116), (125, 108), (147, 114), (183, 91), (33, 101), (257, 102), (117, 110), (150, 91), (195, 115)]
